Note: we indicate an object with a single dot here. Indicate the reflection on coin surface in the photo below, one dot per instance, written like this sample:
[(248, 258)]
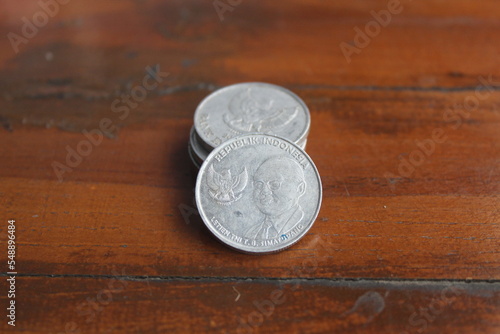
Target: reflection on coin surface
[(251, 108), (258, 193)]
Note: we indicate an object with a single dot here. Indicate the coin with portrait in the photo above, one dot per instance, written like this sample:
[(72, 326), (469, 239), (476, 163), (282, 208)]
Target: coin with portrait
[(258, 193)]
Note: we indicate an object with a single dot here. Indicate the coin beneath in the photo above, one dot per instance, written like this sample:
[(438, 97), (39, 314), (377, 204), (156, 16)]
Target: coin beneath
[(193, 157), (251, 108), (199, 151), (258, 193)]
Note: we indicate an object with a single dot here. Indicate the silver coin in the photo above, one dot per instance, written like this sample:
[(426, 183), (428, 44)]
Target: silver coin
[(303, 144), (193, 157), (258, 193), (199, 154), (251, 108), (199, 151)]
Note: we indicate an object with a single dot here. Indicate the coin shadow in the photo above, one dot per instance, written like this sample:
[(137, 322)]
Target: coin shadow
[(186, 216)]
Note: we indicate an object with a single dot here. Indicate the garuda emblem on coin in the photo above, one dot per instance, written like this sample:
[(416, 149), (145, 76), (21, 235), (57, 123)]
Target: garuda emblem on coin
[(250, 113), (224, 187)]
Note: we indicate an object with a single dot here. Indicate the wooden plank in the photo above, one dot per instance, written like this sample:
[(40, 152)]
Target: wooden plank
[(123, 203), (115, 305), (423, 46), (360, 134), (144, 230)]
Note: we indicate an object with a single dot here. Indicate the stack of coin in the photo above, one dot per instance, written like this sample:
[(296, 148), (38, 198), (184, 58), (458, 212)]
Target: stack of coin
[(257, 190), (247, 108)]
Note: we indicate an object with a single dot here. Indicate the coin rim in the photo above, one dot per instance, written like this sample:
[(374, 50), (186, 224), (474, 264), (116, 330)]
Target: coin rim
[(192, 156), (235, 246), (203, 141), (197, 148)]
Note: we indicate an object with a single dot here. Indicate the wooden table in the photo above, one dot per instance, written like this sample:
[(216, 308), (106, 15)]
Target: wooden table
[(405, 106)]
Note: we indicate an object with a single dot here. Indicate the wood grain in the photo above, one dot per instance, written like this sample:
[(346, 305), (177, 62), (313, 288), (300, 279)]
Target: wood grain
[(405, 137), (441, 222), (123, 304)]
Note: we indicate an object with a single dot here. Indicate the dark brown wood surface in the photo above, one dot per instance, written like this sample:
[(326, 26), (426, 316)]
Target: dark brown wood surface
[(405, 136)]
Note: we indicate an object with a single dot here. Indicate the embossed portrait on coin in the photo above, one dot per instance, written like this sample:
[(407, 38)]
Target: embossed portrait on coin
[(278, 185), (249, 112)]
